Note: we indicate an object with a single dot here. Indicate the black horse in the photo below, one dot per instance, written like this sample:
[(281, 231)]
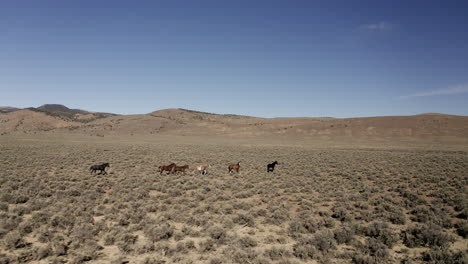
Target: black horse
[(271, 166), (101, 168)]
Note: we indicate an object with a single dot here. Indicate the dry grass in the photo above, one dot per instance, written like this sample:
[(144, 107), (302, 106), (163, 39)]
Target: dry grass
[(321, 205)]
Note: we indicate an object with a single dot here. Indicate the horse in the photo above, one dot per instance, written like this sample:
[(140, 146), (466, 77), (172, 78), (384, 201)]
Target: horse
[(233, 167), (180, 168), (101, 168), (203, 169), (271, 166), (169, 168)]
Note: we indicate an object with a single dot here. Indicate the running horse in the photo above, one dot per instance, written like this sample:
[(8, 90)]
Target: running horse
[(203, 169), (234, 167), (169, 168), (101, 168), (180, 169)]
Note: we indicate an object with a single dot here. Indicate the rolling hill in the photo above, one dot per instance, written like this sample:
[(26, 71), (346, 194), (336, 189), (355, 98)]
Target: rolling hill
[(431, 126)]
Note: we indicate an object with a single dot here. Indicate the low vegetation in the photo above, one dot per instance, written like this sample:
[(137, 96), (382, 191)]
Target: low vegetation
[(320, 205)]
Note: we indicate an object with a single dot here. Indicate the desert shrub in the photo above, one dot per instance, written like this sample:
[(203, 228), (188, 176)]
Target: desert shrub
[(59, 248), (246, 242), (396, 217), (276, 253), (20, 199), (260, 212), (126, 242), (439, 216), (7, 196), (245, 220), (217, 260), (412, 199), (165, 248), (207, 245), (278, 216), (14, 240), (84, 232), (40, 218), (145, 248), (341, 213), (344, 235), (287, 261), (372, 251), (426, 235), (178, 236), (382, 232), (444, 256), (241, 256), (189, 244), (360, 258), (308, 225), (4, 259), (324, 240), (25, 256), (180, 248), (462, 229), (4, 206), (161, 232), (25, 228), (305, 251), (9, 222), (63, 222), (217, 233), (42, 252), (78, 259), (153, 260), (90, 249)]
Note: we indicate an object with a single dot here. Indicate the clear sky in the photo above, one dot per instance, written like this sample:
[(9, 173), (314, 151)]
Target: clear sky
[(263, 58)]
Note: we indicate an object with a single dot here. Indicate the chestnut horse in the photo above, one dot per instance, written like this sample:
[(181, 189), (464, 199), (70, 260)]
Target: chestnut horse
[(234, 167), (180, 168), (169, 168)]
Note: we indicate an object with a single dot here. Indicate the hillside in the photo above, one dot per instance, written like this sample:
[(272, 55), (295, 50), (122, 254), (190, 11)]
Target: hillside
[(26, 120), (8, 109), (430, 126), (73, 114)]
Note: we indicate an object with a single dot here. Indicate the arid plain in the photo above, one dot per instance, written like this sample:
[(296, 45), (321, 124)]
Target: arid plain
[(364, 190)]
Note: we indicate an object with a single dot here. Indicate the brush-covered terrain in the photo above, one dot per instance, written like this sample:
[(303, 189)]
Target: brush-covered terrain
[(324, 203)]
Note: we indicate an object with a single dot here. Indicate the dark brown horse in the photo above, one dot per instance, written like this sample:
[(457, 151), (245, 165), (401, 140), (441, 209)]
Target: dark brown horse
[(169, 168), (101, 168), (234, 167), (271, 166), (180, 169)]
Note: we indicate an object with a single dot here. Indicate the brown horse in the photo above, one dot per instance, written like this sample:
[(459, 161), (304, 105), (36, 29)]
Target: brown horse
[(180, 169), (169, 168), (234, 167)]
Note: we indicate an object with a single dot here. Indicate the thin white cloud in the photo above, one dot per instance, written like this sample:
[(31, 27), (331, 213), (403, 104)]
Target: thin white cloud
[(448, 91), (380, 26)]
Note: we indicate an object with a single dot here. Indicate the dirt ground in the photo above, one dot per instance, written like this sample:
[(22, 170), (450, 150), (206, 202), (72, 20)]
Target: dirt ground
[(326, 202)]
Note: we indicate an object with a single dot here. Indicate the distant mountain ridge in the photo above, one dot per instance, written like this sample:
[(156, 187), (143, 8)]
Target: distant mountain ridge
[(58, 108), (8, 109), (73, 114)]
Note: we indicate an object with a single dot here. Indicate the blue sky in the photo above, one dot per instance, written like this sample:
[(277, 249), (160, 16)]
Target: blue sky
[(262, 58)]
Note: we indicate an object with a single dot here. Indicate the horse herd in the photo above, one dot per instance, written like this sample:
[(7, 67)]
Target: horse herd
[(173, 168)]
